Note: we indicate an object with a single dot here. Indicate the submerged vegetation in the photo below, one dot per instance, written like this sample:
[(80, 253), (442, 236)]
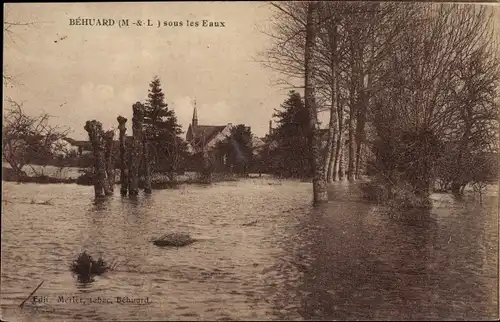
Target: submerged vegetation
[(86, 268)]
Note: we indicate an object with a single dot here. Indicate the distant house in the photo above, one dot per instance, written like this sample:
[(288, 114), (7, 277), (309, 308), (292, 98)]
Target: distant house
[(50, 145), (82, 147), (258, 145), (62, 148)]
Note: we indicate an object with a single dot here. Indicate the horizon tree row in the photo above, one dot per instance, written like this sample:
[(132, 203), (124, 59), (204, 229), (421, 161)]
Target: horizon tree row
[(415, 83)]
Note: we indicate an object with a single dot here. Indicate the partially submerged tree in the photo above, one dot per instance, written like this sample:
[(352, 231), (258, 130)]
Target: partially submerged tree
[(320, 194), (124, 166), (423, 74), (101, 176), (28, 139)]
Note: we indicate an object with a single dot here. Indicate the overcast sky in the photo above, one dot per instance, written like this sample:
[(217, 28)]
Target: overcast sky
[(99, 72), (79, 73)]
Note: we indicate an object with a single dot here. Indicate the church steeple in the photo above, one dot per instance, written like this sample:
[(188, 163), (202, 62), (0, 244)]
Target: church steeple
[(195, 115)]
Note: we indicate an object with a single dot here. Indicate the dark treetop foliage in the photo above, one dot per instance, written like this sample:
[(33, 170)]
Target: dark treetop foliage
[(291, 156), (162, 130)]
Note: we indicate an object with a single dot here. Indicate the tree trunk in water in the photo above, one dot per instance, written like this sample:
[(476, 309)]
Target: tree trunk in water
[(327, 154), (136, 148), (458, 181), (350, 156), (134, 168), (340, 143), (129, 156), (147, 166), (329, 157), (123, 164), (359, 153), (360, 131), (94, 129), (331, 164), (353, 100), (320, 194), (341, 161), (110, 166), (361, 119)]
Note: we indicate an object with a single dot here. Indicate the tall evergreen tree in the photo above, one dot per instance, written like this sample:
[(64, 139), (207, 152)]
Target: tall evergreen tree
[(163, 131), (292, 157)]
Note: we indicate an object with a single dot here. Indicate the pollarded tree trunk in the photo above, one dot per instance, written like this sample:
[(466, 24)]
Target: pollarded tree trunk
[(129, 157), (123, 164), (134, 168), (94, 129), (320, 194), (147, 167), (135, 153), (110, 166)]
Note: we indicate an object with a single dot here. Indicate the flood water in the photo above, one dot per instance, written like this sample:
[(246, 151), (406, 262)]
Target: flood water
[(263, 253)]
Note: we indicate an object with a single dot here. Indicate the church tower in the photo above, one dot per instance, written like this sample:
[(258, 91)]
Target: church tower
[(194, 122)]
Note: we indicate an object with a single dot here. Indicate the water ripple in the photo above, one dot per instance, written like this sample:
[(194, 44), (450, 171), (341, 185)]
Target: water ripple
[(262, 254)]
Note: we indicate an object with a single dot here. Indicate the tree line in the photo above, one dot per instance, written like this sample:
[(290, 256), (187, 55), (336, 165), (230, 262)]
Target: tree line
[(411, 86), (29, 140)]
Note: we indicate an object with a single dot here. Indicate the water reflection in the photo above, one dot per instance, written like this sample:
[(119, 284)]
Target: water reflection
[(367, 265), (264, 253), (100, 204)]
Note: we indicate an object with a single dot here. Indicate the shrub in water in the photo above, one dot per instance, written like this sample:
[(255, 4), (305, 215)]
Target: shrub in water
[(399, 195), (85, 267), (404, 197), (374, 191)]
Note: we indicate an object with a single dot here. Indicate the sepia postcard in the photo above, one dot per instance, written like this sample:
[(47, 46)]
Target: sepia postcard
[(288, 160)]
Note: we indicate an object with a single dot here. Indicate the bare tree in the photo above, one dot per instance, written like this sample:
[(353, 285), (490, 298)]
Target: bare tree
[(9, 33), (288, 36), (402, 72), (294, 54), (27, 139), (319, 183), (330, 54), (444, 80)]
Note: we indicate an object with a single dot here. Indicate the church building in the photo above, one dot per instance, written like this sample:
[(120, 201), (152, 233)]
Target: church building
[(205, 136)]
